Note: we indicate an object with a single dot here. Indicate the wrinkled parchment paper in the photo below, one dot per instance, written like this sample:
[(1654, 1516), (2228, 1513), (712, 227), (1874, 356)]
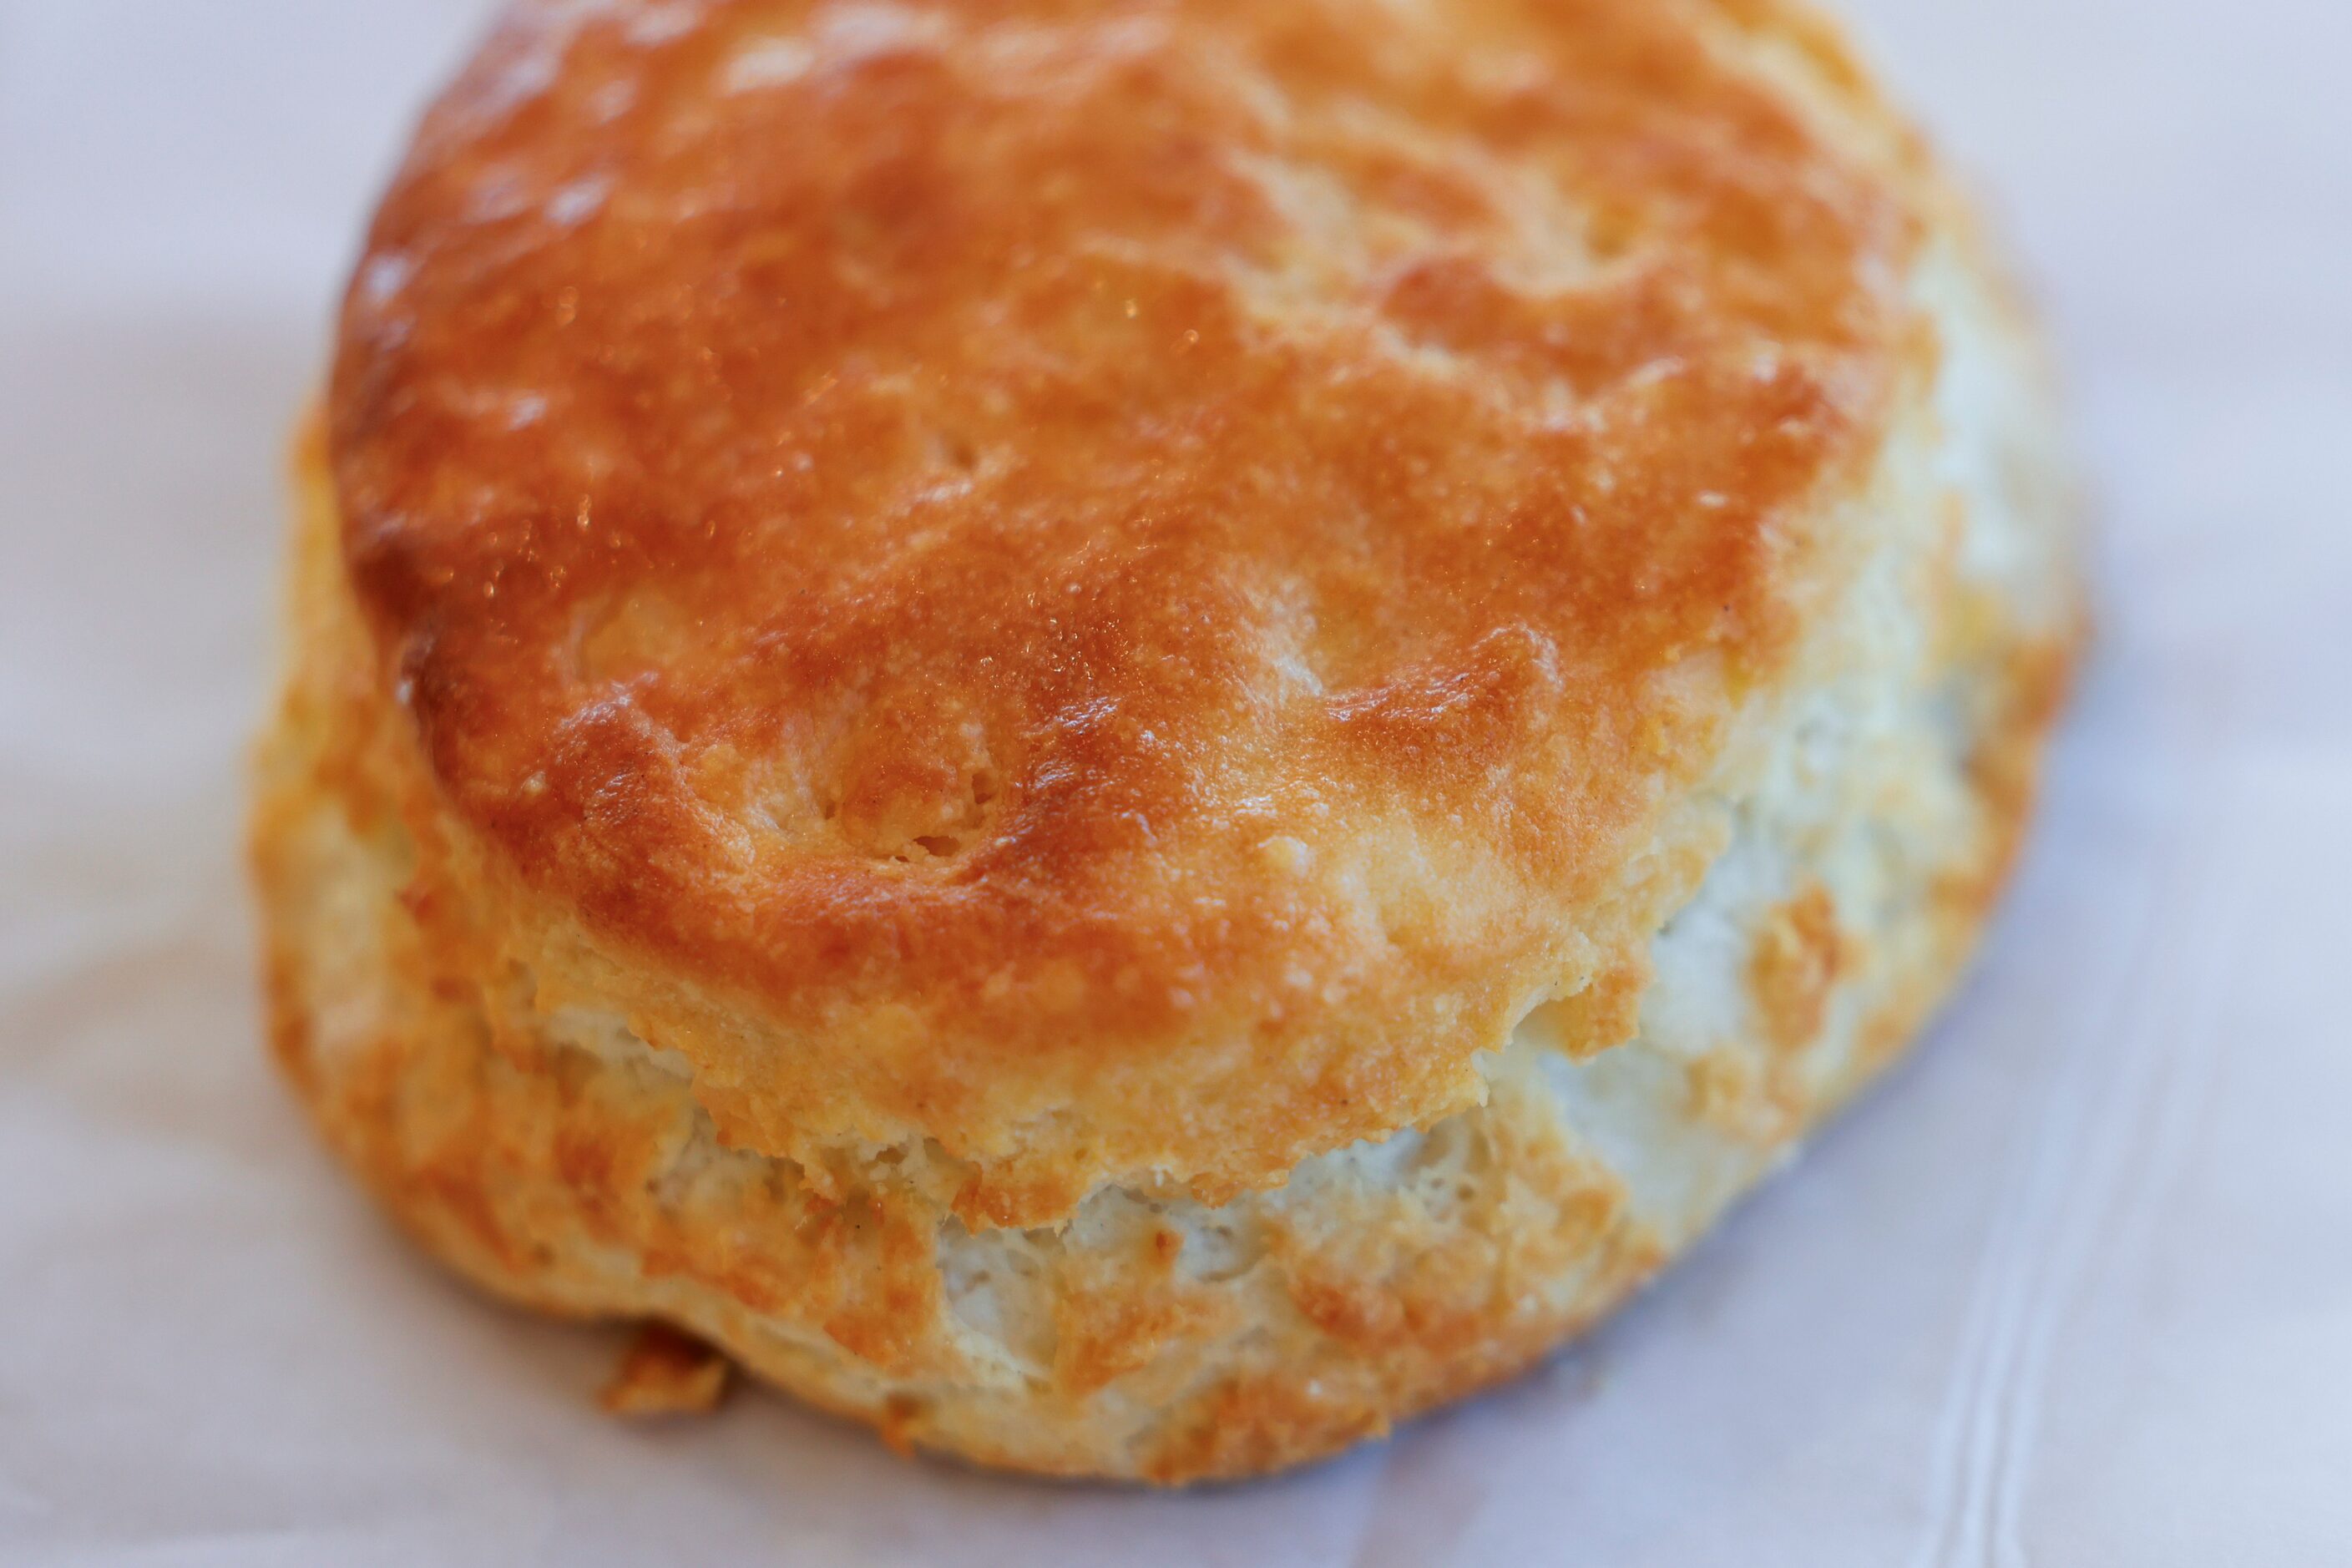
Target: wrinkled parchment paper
[(2073, 1287)]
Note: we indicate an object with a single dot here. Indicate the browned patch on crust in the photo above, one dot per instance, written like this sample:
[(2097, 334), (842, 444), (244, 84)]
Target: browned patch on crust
[(1115, 1315), (666, 1373), (1800, 951), (1255, 1424), (1606, 1012)]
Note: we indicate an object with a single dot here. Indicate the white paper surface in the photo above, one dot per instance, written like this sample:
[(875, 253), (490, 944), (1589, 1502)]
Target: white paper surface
[(2074, 1287)]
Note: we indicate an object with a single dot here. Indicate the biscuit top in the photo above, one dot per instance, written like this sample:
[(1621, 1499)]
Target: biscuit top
[(1119, 584)]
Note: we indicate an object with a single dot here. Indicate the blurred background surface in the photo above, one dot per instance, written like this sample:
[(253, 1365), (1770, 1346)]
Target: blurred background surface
[(2074, 1287)]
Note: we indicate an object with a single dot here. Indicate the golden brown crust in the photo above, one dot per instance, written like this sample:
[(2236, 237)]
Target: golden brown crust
[(1008, 553), (665, 1372), (1128, 737)]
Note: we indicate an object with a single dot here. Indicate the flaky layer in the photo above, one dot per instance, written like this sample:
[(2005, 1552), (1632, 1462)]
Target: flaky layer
[(1122, 588)]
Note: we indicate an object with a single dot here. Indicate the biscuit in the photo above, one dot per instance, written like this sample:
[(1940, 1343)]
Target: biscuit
[(1130, 736)]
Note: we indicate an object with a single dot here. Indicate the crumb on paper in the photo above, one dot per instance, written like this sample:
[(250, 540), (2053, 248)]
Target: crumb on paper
[(666, 1373)]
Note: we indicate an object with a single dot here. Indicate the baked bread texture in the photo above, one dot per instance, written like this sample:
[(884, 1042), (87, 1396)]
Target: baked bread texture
[(1129, 735)]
